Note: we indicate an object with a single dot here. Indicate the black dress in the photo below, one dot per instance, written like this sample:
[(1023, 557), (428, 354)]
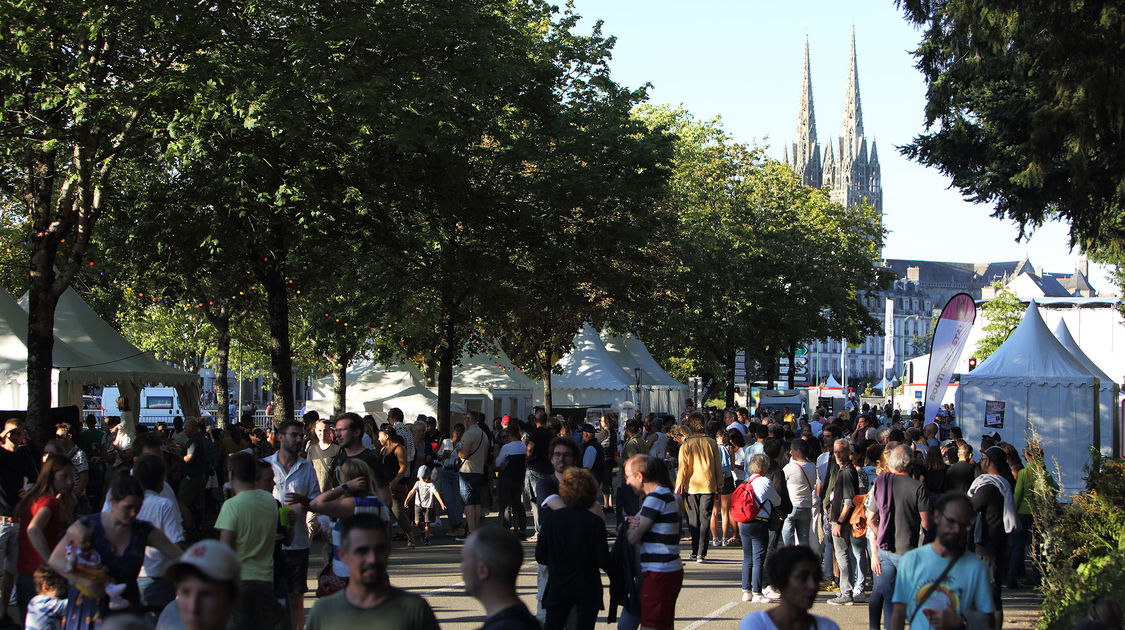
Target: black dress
[(573, 545)]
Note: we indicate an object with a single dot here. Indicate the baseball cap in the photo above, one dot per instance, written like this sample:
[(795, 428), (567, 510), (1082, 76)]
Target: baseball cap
[(210, 557), (991, 434), (505, 420), (588, 428)]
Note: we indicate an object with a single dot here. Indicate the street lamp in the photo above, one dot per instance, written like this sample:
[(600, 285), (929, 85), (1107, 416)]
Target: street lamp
[(637, 375)]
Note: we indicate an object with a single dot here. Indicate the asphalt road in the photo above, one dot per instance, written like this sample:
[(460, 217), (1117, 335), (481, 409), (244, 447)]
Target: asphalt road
[(711, 597)]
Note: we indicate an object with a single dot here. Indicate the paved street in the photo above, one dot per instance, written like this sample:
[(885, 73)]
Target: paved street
[(711, 597)]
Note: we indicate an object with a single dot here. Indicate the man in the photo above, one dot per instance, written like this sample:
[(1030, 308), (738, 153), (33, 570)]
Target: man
[(295, 484), (208, 585), (656, 533), (64, 432), (700, 477), (815, 424), (848, 550), (730, 419), (962, 473), (538, 461), (474, 450), (369, 602), (593, 456), (924, 600), (564, 455), (321, 451), (194, 480), (897, 507), (992, 500), (17, 471), (395, 417), (248, 523), (490, 563), (156, 591), (349, 434)]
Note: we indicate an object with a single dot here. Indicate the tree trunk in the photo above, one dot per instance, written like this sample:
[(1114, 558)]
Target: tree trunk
[(221, 322), (445, 369), (340, 382), (40, 341), (728, 375), (281, 351), (771, 368), (792, 364), (547, 402)]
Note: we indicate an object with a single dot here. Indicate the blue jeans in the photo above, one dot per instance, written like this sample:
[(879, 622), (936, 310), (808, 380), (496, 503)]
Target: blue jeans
[(1019, 547), (627, 620), (828, 550), (797, 525), (883, 589), (755, 538), (451, 492)]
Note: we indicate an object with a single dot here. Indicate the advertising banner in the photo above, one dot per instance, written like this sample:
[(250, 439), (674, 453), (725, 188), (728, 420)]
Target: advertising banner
[(889, 341), (950, 335)]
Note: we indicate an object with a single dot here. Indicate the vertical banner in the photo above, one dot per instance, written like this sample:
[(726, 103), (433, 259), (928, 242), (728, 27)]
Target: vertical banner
[(889, 343), (950, 335), (844, 367)]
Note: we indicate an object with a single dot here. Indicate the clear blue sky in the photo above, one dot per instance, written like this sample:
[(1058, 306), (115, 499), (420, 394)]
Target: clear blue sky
[(741, 60)]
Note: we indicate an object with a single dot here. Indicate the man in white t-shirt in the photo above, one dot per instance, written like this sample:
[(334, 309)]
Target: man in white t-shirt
[(156, 591), (800, 476)]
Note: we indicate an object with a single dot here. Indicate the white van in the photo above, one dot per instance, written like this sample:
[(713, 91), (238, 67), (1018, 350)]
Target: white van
[(157, 404)]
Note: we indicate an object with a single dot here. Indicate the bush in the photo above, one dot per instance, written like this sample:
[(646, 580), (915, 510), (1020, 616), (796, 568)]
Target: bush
[(1080, 548)]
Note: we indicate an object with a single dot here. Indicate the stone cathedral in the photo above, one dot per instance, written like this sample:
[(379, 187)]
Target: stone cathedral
[(846, 168)]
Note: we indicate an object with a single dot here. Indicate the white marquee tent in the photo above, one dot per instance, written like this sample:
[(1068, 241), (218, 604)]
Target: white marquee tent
[(1108, 390), (1040, 386), (660, 393), (490, 383), (590, 377), (376, 388)]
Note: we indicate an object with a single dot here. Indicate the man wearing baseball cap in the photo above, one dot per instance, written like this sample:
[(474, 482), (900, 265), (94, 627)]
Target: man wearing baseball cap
[(208, 579), (593, 457)]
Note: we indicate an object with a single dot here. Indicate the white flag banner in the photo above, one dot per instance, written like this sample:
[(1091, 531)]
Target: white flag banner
[(950, 335), (889, 341)]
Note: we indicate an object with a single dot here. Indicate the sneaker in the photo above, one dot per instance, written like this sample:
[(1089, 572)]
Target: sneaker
[(843, 599), (747, 596), (691, 557), (459, 539), (859, 598), (699, 560), (715, 542), (771, 593), (761, 599)]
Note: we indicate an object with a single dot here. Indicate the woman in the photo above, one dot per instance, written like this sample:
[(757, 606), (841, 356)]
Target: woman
[(354, 495), (41, 512), (119, 539), (736, 442), (1023, 512), (396, 468), (756, 533), (573, 546), (450, 485), (607, 437), (726, 463), (795, 573), (936, 476)]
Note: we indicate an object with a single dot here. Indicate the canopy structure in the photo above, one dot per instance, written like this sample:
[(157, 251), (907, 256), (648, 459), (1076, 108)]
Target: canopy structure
[(660, 393), (490, 383), (366, 381), (13, 360), (99, 355), (413, 401), (1108, 393), (589, 378), (1032, 383), (831, 382)]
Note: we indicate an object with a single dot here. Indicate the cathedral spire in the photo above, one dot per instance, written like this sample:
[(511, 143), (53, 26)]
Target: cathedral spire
[(852, 132), (806, 117)]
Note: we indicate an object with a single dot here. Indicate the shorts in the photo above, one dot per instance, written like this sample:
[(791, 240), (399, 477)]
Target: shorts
[(423, 515), (658, 598), (191, 492), (728, 485), (297, 570), (471, 484)]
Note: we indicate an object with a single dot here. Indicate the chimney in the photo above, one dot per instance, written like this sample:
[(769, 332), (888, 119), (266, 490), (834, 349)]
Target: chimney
[(913, 273)]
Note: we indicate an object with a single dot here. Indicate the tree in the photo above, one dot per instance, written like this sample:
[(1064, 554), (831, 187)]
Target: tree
[(1003, 313), (1025, 109), (81, 86)]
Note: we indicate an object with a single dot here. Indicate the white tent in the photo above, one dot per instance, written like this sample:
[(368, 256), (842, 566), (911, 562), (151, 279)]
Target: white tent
[(490, 383), (1108, 391), (832, 383), (659, 392), (13, 361), (1033, 382), (412, 401), (366, 381), (590, 377)]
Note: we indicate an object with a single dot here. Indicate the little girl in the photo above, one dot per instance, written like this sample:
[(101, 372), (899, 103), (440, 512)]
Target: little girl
[(424, 502)]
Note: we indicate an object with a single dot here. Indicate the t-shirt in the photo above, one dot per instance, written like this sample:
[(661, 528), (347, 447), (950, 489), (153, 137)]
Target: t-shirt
[(367, 456), (659, 448), (511, 460), (843, 491), (423, 493), (165, 516), (197, 448), (760, 620), (514, 617), (660, 545), (252, 516), (475, 445), (301, 479), (988, 501), (90, 441), (799, 478), (961, 475), (29, 560), (964, 588), (399, 611), (540, 460), (546, 488), (16, 469), (45, 613), (321, 460), (363, 505), (908, 500)]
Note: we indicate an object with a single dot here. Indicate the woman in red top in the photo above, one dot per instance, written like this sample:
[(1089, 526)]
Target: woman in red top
[(41, 513)]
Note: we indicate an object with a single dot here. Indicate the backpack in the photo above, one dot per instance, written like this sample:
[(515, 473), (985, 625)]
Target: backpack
[(744, 505), (858, 518)]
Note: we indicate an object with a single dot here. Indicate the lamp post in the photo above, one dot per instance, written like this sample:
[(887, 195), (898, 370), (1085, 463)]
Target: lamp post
[(637, 397)]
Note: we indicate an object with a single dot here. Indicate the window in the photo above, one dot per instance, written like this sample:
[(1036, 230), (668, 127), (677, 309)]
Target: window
[(158, 402)]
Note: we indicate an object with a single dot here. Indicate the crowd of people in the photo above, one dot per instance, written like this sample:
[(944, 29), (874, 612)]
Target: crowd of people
[(208, 528)]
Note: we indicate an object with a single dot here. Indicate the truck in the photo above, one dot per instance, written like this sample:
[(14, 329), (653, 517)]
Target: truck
[(158, 404), (792, 401)]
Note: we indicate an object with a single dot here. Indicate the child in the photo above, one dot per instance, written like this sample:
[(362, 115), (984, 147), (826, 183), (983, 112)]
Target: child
[(424, 503), (45, 611)]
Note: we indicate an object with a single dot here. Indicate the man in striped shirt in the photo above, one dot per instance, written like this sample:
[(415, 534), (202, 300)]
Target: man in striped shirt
[(656, 533)]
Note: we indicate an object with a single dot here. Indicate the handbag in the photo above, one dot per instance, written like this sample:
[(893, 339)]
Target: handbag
[(328, 583)]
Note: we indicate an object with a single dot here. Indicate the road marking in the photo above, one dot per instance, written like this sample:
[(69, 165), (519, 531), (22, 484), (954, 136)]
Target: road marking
[(715, 614)]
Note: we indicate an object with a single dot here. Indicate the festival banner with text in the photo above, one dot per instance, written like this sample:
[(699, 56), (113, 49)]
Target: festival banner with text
[(950, 335)]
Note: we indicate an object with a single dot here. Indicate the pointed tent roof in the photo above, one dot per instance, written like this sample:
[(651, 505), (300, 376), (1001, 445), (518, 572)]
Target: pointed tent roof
[(108, 357), (629, 353), (13, 342), (368, 374), (1062, 333), (1031, 352), (832, 382), (589, 365), (490, 369)]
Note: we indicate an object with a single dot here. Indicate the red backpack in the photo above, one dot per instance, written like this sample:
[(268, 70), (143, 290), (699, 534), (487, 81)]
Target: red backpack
[(744, 505)]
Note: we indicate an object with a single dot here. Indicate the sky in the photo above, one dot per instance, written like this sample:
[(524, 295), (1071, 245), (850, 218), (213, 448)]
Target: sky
[(741, 60)]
